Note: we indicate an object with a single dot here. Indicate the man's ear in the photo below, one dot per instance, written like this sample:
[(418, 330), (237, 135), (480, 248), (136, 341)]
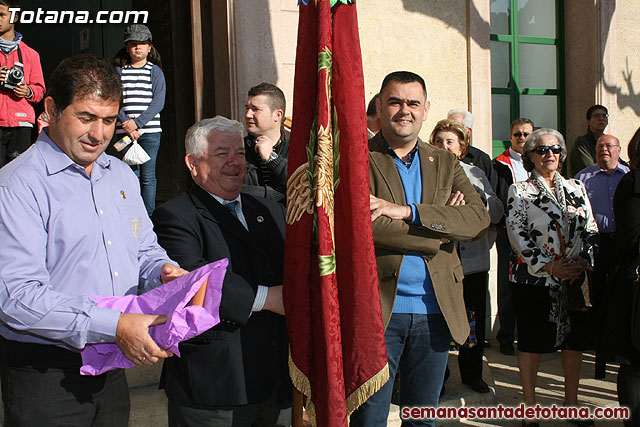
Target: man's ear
[(50, 109), (190, 161), (277, 115), (427, 104)]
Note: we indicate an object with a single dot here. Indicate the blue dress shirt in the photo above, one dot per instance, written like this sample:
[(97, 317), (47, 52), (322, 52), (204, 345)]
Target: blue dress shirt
[(65, 236), (600, 188)]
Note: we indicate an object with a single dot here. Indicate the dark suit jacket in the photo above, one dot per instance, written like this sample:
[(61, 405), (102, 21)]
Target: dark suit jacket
[(477, 157), (240, 360), (253, 183), (441, 175)]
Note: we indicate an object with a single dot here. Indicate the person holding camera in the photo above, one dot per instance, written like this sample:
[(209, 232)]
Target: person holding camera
[(21, 86)]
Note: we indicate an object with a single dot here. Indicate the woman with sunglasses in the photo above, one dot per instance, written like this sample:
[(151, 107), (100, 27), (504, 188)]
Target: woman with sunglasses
[(540, 212)]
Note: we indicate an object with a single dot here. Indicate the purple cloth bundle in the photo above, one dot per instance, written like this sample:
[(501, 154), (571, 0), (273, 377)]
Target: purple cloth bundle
[(185, 321)]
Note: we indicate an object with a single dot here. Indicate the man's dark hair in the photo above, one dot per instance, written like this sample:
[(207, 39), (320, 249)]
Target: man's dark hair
[(81, 76), (275, 97), (404, 77), (10, 3), (371, 108), (520, 121), (594, 108)]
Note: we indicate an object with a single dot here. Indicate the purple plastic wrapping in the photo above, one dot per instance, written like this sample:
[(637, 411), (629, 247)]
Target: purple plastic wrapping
[(185, 321)]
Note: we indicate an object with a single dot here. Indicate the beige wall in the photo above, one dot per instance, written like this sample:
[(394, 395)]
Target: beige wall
[(626, 78), (264, 49), (602, 65), (427, 37)]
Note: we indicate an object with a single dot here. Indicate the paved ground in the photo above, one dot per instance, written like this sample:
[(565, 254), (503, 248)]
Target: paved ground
[(149, 408), (502, 375)]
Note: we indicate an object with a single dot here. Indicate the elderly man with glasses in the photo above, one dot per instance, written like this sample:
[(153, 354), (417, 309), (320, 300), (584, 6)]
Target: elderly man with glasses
[(601, 181)]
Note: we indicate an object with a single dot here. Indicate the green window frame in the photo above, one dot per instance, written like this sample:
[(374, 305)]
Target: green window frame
[(514, 89)]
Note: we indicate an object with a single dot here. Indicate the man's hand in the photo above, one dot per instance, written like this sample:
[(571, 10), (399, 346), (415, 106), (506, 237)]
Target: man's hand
[(21, 91), (132, 336), (129, 125), (264, 147), (274, 301), (380, 207), (170, 272), (456, 199), (4, 71)]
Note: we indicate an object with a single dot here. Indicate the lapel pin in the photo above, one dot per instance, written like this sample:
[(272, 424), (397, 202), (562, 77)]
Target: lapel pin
[(124, 196), (430, 159), (260, 218)]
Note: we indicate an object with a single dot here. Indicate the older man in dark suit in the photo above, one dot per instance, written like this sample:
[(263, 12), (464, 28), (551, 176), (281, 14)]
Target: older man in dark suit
[(235, 373)]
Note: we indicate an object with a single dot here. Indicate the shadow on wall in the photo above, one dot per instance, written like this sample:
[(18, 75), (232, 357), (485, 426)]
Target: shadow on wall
[(454, 17), (629, 99)]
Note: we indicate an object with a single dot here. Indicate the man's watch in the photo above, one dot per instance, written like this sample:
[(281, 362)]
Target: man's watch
[(272, 157)]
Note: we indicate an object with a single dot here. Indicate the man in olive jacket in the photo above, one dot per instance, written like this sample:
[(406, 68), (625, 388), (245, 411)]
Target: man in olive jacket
[(421, 202)]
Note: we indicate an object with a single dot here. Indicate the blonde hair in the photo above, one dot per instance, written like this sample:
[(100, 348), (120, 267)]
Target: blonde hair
[(448, 125)]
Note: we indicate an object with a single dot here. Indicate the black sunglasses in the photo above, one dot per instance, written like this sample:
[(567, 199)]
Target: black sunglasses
[(519, 134), (544, 149)]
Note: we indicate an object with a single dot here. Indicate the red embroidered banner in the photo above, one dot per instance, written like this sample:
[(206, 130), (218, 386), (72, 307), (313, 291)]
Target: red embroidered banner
[(338, 357)]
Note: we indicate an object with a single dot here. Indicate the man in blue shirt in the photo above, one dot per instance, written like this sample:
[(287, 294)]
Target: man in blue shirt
[(601, 181), (421, 200), (72, 225)]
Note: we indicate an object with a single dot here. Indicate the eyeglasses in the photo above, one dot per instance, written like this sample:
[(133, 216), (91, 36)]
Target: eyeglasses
[(607, 146), (544, 149), (519, 134), (598, 115)]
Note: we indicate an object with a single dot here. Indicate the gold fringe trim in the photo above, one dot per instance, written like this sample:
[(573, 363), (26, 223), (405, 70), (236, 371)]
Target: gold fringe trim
[(367, 389), (357, 398), (302, 384)]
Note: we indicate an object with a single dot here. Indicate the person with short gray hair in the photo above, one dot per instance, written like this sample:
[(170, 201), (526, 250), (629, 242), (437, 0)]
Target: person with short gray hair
[(235, 373), (552, 231), (474, 156), (601, 181), (531, 143), (196, 140)]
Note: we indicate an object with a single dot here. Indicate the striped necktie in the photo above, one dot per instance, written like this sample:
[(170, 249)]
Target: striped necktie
[(231, 207)]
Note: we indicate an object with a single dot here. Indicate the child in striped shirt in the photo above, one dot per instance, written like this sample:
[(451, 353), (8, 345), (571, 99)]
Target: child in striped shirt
[(143, 91)]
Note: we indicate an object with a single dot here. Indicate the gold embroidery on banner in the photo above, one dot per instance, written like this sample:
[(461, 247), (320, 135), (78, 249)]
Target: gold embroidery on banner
[(134, 227)]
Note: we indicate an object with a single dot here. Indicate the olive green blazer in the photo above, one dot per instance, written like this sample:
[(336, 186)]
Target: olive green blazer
[(441, 176)]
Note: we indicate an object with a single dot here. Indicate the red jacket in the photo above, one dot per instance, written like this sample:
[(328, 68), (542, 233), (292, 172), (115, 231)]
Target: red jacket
[(13, 109)]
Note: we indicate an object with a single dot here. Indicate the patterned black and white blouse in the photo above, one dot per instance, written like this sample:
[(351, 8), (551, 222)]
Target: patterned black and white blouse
[(531, 210)]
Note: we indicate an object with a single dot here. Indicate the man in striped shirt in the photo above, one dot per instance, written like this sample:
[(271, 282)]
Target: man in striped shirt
[(267, 143)]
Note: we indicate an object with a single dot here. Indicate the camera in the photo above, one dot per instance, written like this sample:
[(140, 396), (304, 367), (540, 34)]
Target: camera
[(15, 76)]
